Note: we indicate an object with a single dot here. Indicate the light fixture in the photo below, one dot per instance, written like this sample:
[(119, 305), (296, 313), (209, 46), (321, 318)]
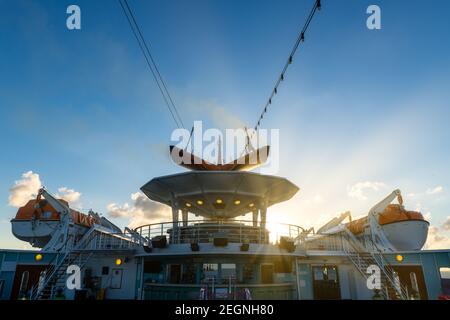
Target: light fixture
[(200, 202), (188, 205), (118, 262), (251, 205), (237, 202), (399, 258), (219, 201), (38, 257)]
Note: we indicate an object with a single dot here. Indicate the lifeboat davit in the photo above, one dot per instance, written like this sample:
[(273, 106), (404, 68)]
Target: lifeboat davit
[(37, 221), (406, 230)]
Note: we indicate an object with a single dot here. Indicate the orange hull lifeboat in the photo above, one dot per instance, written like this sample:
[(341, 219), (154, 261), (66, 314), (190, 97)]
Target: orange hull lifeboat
[(406, 230), (37, 220)]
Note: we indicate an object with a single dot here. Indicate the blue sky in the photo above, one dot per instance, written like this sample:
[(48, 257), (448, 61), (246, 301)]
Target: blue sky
[(359, 110)]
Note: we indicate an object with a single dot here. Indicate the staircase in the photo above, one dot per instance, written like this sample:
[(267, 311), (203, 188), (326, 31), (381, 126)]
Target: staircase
[(391, 288), (79, 253)]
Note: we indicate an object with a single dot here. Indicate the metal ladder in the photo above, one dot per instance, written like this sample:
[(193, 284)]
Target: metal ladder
[(391, 288), (54, 275)]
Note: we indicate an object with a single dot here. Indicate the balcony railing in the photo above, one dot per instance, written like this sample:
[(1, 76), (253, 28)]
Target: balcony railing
[(204, 231)]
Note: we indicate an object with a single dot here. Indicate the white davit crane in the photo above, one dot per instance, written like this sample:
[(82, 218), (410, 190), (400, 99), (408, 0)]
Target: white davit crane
[(60, 237), (377, 234)]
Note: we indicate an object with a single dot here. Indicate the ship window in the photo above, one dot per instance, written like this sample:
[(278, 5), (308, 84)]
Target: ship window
[(105, 271), (46, 215), (2, 284), (24, 282), (445, 280), (414, 285), (228, 270), (283, 266), (152, 267), (210, 267), (445, 273), (210, 270)]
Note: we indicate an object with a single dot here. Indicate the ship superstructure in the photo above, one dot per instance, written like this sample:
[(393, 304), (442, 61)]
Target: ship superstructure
[(207, 250)]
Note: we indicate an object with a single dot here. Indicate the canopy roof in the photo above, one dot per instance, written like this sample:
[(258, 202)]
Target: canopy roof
[(219, 194)]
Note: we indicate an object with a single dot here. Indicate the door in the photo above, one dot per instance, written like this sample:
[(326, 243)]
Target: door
[(267, 273), (175, 273), (326, 283), (25, 278), (412, 278)]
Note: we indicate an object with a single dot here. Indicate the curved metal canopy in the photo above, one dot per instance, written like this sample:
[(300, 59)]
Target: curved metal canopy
[(219, 194)]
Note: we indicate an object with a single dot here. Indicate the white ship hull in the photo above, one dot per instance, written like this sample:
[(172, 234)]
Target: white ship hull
[(37, 232), (407, 235)]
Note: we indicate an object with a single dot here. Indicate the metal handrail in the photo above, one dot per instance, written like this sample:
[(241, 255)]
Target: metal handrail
[(183, 232), (378, 257)]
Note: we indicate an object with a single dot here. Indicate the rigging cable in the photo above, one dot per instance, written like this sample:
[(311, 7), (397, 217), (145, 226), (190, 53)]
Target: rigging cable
[(300, 39), (151, 63)]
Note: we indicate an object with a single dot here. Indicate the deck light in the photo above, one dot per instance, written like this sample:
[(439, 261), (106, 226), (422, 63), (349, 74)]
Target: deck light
[(219, 201), (399, 258), (188, 205), (200, 202), (118, 262), (237, 202), (251, 205), (38, 257)]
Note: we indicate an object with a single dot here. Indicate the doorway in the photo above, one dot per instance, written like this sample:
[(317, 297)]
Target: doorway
[(175, 273), (25, 278), (267, 273), (326, 283)]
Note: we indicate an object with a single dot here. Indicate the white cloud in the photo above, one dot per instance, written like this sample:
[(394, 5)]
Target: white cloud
[(427, 216), (446, 225), (357, 190), (220, 115), (435, 190), (24, 189), (436, 239), (141, 211), (70, 195), (27, 188)]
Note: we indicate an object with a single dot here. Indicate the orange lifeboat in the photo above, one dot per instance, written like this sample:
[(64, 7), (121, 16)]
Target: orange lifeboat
[(42, 210), (406, 230), (392, 214)]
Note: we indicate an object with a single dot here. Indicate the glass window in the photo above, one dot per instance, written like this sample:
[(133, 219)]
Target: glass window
[(414, 286), (24, 282), (228, 270), (332, 274), (445, 273), (318, 273), (210, 271), (445, 280), (210, 267)]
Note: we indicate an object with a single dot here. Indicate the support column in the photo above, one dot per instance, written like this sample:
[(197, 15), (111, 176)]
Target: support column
[(175, 237), (263, 214), (262, 222), (184, 217), (175, 213), (255, 217)]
